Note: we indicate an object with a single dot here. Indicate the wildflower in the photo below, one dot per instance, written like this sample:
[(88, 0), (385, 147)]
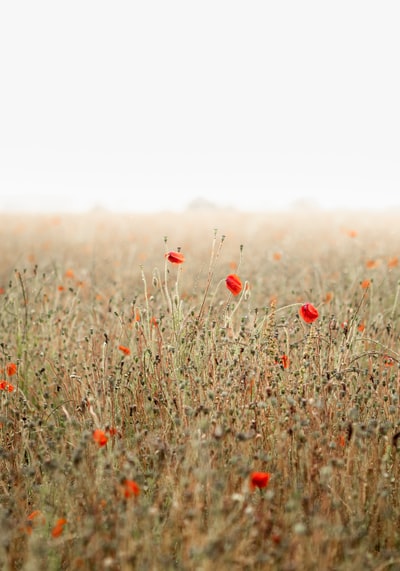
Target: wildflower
[(328, 297), (102, 503), (60, 288), (11, 369), (388, 361), (69, 274), (365, 284), (34, 517), (100, 437), (393, 262), (342, 440), (112, 431), (361, 326), (59, 527), (175, 257), (2, 291), (276, 538), (308, 312), (234, 284), (125, 350), (371, 264), (276, 256), (285, 361), (5, 386), (130, 488), (259, 479)]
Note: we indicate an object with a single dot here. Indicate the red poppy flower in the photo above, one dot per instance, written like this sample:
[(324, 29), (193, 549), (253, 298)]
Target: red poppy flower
[(388, 361), (234, 284), (58, 528), (5, 386), (371, 264), (131, 488), (100, 437), (11, 369), (259, 479), (361, 327), (175, 257), (34, 515), (308, 312), (285, 361), (112, 431), (125, 350)]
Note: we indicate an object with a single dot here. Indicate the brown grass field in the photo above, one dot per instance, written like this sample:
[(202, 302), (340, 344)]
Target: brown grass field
[(145, 395)]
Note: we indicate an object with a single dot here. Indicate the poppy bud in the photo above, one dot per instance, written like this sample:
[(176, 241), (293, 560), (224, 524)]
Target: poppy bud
[(234, 284)]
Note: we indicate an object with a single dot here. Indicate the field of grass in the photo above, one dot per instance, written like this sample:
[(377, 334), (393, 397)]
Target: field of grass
[(152, 420)]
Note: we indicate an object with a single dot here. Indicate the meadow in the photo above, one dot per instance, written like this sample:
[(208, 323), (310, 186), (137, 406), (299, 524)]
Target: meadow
[(151, 418)]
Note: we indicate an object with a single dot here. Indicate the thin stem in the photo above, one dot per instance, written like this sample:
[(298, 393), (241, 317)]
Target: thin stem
[(213, 259)]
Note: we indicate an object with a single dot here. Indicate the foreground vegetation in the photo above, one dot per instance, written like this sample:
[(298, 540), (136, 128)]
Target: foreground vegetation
[(140, 399)]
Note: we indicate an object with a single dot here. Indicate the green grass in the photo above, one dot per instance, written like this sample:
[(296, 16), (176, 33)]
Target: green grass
[(203, 399)]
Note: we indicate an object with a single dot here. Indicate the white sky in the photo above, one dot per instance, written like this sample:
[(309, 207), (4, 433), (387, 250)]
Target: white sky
[(147, 105)]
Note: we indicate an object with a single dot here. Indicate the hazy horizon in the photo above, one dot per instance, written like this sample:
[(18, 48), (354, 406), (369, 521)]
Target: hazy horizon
[(122, 203)]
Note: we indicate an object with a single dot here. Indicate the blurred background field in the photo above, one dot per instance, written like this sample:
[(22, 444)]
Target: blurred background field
[(285, 251), (193, 390)]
